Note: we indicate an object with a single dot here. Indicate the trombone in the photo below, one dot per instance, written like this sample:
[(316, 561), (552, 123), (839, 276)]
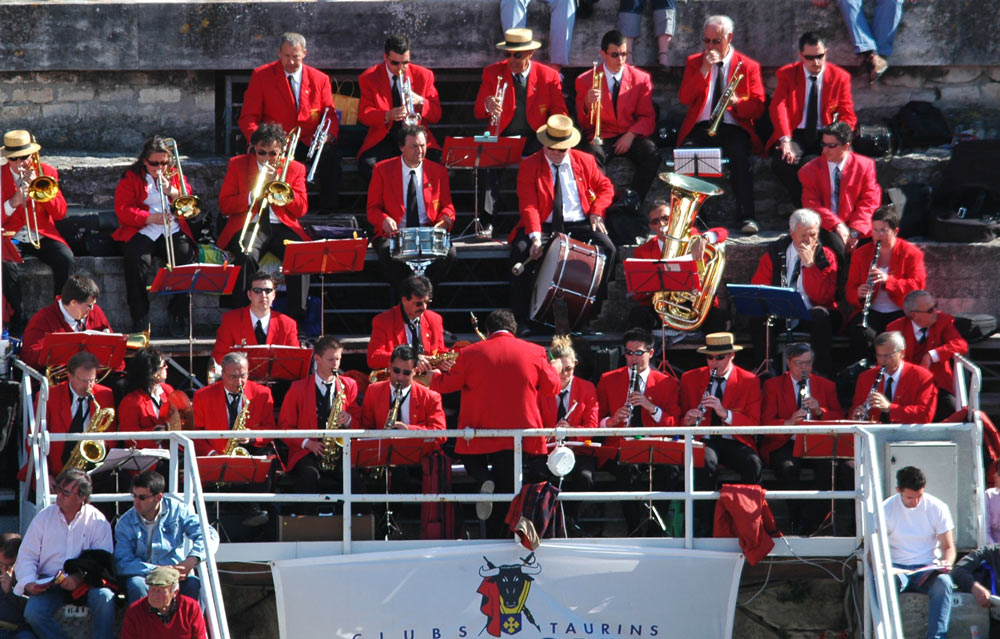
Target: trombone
[(186, 205), (277, 192), (318, 141), (168, 227), (595, 108), (41, 189)]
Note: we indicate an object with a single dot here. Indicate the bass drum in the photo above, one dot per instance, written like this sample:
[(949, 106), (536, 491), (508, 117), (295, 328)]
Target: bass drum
[(570, 270)]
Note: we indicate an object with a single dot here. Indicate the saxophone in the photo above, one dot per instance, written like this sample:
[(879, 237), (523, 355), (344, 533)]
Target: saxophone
[(332, 445), (92, 451), (233, 447), (397, 405)]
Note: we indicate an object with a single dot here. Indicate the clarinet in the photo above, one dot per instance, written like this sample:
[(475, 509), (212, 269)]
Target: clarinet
[(871, 288), (867, 406), (804, 396), (632, 379), (708, 393)]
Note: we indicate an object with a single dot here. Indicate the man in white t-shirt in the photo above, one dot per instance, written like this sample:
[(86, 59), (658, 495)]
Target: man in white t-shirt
[(920, 535)]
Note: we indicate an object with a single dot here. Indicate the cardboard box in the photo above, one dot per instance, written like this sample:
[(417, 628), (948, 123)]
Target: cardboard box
[(324, 528)]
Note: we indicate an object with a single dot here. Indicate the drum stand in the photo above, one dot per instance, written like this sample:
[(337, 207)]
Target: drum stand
[(479, 231), (391, 527)]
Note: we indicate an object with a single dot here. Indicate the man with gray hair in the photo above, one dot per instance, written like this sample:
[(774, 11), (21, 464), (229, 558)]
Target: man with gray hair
[(799, 260), (218, 405), (894, 391)]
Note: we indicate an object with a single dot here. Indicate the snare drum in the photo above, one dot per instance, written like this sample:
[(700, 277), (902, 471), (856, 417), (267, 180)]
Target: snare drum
[(570, 270), (420, 243)]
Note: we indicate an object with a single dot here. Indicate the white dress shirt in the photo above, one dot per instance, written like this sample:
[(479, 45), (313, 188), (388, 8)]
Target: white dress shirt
[(706, 111), (819, 98), (50, 541), (155, 205)]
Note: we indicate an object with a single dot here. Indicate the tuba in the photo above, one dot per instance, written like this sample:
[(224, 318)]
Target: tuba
[(277, 192), (92, 451), (332, 445), (727, 96), (233, 447), (686, 310)]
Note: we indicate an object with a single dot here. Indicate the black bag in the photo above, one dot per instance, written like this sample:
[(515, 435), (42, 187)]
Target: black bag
[(873, 140), (920, 124), (975, 326), (913, 201), (967, 231)]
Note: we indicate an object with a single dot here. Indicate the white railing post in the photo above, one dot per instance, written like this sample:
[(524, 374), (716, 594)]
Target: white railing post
[(967, 394)]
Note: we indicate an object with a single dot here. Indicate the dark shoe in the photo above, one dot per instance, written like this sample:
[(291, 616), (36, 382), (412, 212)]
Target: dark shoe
[(879, 65)]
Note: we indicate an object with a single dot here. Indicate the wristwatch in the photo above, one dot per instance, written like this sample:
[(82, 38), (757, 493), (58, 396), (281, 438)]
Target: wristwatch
[(854, 234)]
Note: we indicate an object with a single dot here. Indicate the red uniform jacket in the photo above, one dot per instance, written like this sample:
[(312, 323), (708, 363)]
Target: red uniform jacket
[(585, 416), (131, 209), (914, 399), (750, 93), (385, 194), (236, 327), (789, 101), (543, 94), (235, 192), (662, 390), (211, 412), (298, 412), (376, 99), (46, 213), (860, 193), (50, 320), (425, 407), (651, 250), (388, 332), (741, 396), (269, 98), (820, 284), (535, 191), (906, 272), (137, 412), (635, 104), (501, 380), (943, 337), (780, 400)]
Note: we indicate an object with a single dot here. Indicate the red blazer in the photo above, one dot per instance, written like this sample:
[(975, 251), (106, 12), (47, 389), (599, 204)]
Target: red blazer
[(635, 104), (543, 94), (298, 412), (233, 196), (131, 209), (235, 327), (695, 89), (780, 400), (820, 284), (501, 380), (906, 272), (50, 320), (742, 397), (388, 332), (662, 390), (137, 412), (385, 193), (376, 99), (585, 416), (860, 193), (535, 191), (211, 412), (47, 212), (914, 399), (650, 250), (943, 337), (269, 98), (788, 104), (425, 407)]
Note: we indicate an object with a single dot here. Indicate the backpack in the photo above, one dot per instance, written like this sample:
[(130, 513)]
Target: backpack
[(920, 124)]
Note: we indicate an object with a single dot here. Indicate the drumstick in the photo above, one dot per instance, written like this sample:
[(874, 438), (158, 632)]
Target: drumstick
[(518, 268)]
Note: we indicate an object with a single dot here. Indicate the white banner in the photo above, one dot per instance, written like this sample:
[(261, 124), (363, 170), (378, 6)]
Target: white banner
[(571, 591)]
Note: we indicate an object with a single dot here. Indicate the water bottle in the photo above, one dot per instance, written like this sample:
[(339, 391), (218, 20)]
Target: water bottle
[(974, 631)]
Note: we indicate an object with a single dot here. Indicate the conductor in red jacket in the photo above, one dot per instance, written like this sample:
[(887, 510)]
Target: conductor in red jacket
[(292, 94), (409, 192), (411, 322), (894, 391), (706, 76), (559, 190), (142, 228)]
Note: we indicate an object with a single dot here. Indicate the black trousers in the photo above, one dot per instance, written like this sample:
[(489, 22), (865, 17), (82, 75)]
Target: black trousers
[(735, 144), (271, 238), (139, 252), (490, 188), (310, 479), (57, 255), (825, 322), (395, 271), (499, 468), (642, 153), (327, 174), (788, 174), (642, 316), (861, 340), (521, 286), (808, 515)]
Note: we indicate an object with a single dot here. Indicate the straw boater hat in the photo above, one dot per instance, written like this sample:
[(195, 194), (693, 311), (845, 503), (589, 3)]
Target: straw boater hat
[(558, 133), (717, 343), (17, 144), (518, 40)]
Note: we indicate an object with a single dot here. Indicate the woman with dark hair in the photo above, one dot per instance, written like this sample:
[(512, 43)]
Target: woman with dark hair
[(146, 406), (139, 205)]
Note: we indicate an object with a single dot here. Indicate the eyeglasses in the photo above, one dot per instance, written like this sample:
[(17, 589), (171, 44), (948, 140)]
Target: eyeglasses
[(517, 55), (830, 145), (142, 497), (712, 40), (717, 358), (405, 372), (930, 310), (637, 353), (259, 290), (617, 54), (658, 221), (163, 163), (886, 355), (398, 63), (86, 380), (67, 492), (263, 153), (813, 58)]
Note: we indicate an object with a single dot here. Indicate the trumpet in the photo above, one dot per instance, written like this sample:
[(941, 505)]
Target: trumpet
[(871, 285), (412, 118), (186, 205), (318, 140), (498, 97), (725, 99), (595, 108), (42, 188), (277, 192)]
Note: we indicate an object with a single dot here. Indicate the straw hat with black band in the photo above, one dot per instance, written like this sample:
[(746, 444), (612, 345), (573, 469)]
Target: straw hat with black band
[(518, 40), (17, 144), (718, 344), (558, 133)]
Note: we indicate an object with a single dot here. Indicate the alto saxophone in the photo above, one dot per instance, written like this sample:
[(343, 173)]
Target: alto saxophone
[(332, 445), (92, 451), (233, 447), (397, 405)]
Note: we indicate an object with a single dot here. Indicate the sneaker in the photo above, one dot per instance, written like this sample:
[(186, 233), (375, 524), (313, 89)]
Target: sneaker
[(878, 66), (749, 226), (485, 508)]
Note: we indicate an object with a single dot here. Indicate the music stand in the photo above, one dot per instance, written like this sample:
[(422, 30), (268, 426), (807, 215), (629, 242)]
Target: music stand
[(211, 279), (322, 257), (269, 362), (657, 451), (385, 453), (830, 447), (134, 460), (480, 152), (232, 469), (653, 276), (770, 302), (109, 348), (698, 162)]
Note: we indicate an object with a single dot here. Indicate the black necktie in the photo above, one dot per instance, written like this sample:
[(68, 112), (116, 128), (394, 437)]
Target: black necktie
[(258, 330), (233, 405), (720, 85), (796, 272), (615, 90), (561, 410), (291, 86), (76, 426), (397, 97), (412, 214), (81, 324), (636, 420), (557, 202), (835, 203), (812, 109), (522, 79), (923, 336), (717, 391), (416, 341), (798, 394), (326, 392)]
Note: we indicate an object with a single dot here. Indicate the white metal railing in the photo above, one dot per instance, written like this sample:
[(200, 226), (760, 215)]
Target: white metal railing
[(967, 393), (34, 422)]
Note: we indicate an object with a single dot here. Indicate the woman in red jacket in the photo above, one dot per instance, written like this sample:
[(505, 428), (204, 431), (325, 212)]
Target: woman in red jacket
[(146, 407)]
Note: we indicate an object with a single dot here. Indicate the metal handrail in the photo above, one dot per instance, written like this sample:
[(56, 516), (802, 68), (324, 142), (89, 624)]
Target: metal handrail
[(967, 394), (35, 423)]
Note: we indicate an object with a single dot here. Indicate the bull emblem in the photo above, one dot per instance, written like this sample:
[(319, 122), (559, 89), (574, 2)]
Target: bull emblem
[(505, 594)]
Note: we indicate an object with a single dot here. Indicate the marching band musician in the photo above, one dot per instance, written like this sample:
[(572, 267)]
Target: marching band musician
[(293, 94), (576, 207), (142, 231), (19, 150), (218, 405), (894, 391), (419, 408), (383, 105), (409, 191), (627, 116), (277, 223), (706, 76), (145, 407), (256, 323), (411, 322)]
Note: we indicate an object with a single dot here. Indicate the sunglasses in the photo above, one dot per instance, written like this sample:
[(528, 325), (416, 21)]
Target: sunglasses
[(617, 54), (142, 497), (813, 58), (636, 353), (272, 154), (517, 54), (405, 372), (163, 163), (712, 40), (657, 221), (830, 145), (262, 291), (930, 310), (717, 358), (398, 63)]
